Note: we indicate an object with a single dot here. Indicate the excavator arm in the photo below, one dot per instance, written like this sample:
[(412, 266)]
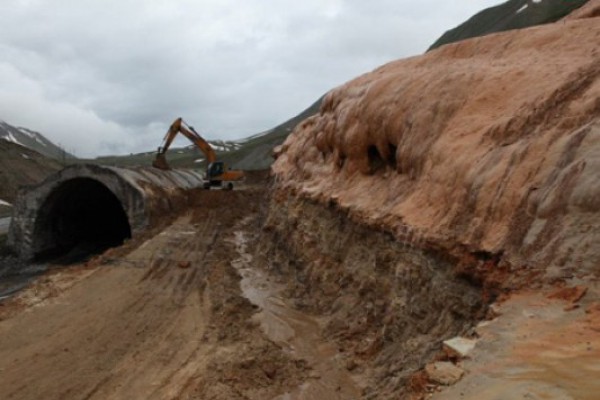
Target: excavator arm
[(178, 126), (216, 171)]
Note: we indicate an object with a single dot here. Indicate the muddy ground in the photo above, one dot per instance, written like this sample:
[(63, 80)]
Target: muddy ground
[(161, 317), (251, 296)]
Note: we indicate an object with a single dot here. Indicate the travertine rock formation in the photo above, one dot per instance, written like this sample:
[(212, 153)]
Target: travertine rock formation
[(490, 145)]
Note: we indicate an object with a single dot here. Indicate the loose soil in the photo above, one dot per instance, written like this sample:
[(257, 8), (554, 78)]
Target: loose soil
[(542, 346), (154, 319), (249, 295)]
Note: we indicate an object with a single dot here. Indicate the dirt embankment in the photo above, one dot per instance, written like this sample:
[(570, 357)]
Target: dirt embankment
[(386, 303), (427, 188), (488, 148)]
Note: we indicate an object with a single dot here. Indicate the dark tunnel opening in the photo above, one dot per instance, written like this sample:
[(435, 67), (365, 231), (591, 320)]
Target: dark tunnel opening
[(80, 218)]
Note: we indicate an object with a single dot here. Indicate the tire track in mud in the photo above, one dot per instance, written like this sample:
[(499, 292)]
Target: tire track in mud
[(172, 287), (152, 333), (162, 319)]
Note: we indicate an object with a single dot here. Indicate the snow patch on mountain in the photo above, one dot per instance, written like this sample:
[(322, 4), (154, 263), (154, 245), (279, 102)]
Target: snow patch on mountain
[(33, 135), (258, 135), (9, 137)]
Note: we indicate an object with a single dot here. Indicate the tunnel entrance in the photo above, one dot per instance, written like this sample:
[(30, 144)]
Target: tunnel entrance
[(79, 218)]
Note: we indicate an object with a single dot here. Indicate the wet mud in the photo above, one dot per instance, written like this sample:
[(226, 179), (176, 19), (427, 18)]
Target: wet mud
[(299, 333)]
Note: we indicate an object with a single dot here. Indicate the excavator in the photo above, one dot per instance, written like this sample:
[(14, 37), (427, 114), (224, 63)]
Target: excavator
[(217, 173)]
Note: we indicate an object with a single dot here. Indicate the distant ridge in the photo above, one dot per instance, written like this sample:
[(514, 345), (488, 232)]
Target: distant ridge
[(514, 14), (32, 140)]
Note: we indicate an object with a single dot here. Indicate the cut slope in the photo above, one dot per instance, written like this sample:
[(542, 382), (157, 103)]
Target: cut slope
[(490, 145)]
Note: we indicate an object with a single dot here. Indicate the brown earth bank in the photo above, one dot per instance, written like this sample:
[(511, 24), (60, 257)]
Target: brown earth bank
[(254, 294), (242, 296), (488, 147), (433, 186), (386, 303)]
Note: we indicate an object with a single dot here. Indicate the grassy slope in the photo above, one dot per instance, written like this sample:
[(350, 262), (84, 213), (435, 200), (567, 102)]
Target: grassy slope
[(253, 154), (256, 152), (505, 17)]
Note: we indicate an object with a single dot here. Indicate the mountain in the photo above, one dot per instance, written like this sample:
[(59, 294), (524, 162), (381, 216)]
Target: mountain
[(514, 14), (179, 157), (256, 151), (26, 158), (32, 140), (20, 166)]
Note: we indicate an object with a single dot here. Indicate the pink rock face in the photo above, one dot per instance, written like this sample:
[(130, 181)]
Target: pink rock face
[(491, 144), (590, 10)]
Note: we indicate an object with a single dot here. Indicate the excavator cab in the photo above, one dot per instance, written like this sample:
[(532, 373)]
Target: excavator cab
[(215, 169), (214, 175)]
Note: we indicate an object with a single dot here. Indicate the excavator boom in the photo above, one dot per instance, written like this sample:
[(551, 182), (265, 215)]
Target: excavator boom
[(178, 126), (216, 171)]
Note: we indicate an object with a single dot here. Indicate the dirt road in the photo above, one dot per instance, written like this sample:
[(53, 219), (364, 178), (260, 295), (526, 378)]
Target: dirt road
[(162, 317)]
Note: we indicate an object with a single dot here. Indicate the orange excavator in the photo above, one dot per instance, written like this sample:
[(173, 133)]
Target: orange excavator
[(217, 173)]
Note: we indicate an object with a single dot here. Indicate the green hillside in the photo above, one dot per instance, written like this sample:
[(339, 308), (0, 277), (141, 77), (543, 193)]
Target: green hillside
[(514, 14), (253, 153)]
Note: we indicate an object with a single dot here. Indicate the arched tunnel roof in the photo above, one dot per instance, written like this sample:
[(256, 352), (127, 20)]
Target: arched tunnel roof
[(110, 197)]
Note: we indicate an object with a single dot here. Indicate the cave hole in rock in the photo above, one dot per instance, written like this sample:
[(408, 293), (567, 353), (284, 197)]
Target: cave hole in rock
[(376, 162), (79, 218)]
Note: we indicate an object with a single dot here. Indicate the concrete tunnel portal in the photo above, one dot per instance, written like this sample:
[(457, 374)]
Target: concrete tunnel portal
[(84, 209), (80, 217)]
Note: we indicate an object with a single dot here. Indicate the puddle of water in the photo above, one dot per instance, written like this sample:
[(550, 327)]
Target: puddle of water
[(295, 331)]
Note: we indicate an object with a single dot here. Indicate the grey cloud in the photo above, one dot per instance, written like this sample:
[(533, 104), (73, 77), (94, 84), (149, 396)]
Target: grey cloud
[(109, 76)]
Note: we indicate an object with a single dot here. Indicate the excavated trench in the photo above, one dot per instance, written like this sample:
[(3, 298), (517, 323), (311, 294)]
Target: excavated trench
[(385, 303)]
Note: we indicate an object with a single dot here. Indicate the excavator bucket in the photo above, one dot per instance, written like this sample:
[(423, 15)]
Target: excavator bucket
[(160, 162)]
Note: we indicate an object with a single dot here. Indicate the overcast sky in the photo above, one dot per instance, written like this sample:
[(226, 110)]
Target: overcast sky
[(109, 76)]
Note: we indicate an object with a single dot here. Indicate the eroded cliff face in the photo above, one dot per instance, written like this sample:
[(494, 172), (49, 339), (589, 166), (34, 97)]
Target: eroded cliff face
[(385, 303), (488, 148)]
